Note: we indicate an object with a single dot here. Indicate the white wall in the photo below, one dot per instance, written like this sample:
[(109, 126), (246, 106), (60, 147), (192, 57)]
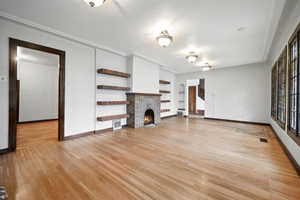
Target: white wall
[(288, 23), (118, 63), (235, 93), (144, 75), (168, 76), (80, 78), (38, 91)]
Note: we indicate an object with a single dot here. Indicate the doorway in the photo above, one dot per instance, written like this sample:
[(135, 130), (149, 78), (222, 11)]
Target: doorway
[(195, 98), (192, 100), (28, 97)]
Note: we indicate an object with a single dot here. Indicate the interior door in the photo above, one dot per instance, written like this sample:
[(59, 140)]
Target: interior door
[(192, 99)]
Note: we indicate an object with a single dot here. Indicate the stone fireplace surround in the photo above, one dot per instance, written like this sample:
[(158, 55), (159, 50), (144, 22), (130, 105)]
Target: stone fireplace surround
[(138, 104)]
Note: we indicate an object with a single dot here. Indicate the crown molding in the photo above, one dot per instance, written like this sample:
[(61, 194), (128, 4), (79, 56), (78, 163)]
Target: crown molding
[(64, 35)]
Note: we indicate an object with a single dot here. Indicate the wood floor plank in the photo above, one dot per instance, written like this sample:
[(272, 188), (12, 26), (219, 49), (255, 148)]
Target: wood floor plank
[(180, 159)]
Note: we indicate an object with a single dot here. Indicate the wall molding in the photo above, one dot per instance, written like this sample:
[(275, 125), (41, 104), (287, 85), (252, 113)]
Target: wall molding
[(42, 120), (4, 151), (238, 121), (96, 132), (170, 116), (46, 29), (72, 137), (102, 131)]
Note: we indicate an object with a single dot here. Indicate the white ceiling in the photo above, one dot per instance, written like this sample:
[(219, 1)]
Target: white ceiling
[(36, 56), (130, 26)]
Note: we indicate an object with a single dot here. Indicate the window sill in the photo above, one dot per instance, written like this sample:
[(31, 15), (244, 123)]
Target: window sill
[(294, 137)]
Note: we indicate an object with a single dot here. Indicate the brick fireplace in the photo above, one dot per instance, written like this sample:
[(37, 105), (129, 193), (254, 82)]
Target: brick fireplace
[(141, 107)]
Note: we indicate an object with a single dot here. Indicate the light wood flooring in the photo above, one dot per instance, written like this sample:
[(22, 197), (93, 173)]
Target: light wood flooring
[(182, 159), (29, 134)]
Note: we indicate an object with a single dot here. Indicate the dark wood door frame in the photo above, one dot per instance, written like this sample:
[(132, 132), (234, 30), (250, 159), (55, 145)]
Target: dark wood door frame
[(192, 99), (13, 104)]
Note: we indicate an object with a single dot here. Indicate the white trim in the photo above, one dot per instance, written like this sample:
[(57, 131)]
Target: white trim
[(56, 32), (46, 29)]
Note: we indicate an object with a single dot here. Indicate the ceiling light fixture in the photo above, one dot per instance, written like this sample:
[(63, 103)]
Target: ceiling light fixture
[(206, 67), (164, 39), (192, 58), (94, 3)]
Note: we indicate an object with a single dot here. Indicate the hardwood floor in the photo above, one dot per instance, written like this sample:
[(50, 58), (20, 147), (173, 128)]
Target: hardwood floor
[(29, 134), (182, 159)]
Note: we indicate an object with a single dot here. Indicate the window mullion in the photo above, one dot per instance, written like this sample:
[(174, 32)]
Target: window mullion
[(298, 87)]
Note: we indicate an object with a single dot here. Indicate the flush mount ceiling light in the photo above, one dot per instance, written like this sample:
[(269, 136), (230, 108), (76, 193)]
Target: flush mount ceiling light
[(206, 67), (164, 39), (192, 58), (94, 3)]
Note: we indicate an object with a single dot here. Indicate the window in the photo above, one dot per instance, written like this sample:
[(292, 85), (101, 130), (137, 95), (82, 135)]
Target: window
[(279, 72), (293, 92), (281, 88), (274, 91)]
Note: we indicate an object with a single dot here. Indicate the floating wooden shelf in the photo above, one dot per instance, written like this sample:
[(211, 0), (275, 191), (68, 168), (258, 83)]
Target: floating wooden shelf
[(165, 110), (141, 94), (164, 91), (165, 101), (164, 82), (111, 117), (113, 73), (110, 87), (105, 103)]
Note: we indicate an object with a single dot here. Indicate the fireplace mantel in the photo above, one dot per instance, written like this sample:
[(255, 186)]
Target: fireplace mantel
[(142, 94)]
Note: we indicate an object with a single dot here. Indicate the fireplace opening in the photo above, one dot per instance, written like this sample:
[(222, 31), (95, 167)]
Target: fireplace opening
[(149, 117)]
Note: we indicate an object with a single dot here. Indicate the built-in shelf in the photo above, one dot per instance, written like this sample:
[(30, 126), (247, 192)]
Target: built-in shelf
[(111, 117), (165, 110), (165, 101), (164, 91), (164, 82), (105, 103), (182, 109), (110, 87), (113, 73)]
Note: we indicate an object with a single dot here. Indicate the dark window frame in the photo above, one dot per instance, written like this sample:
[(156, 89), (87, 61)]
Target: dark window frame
[(294, 61), (293, 90), (281, 92), (274, 92)]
